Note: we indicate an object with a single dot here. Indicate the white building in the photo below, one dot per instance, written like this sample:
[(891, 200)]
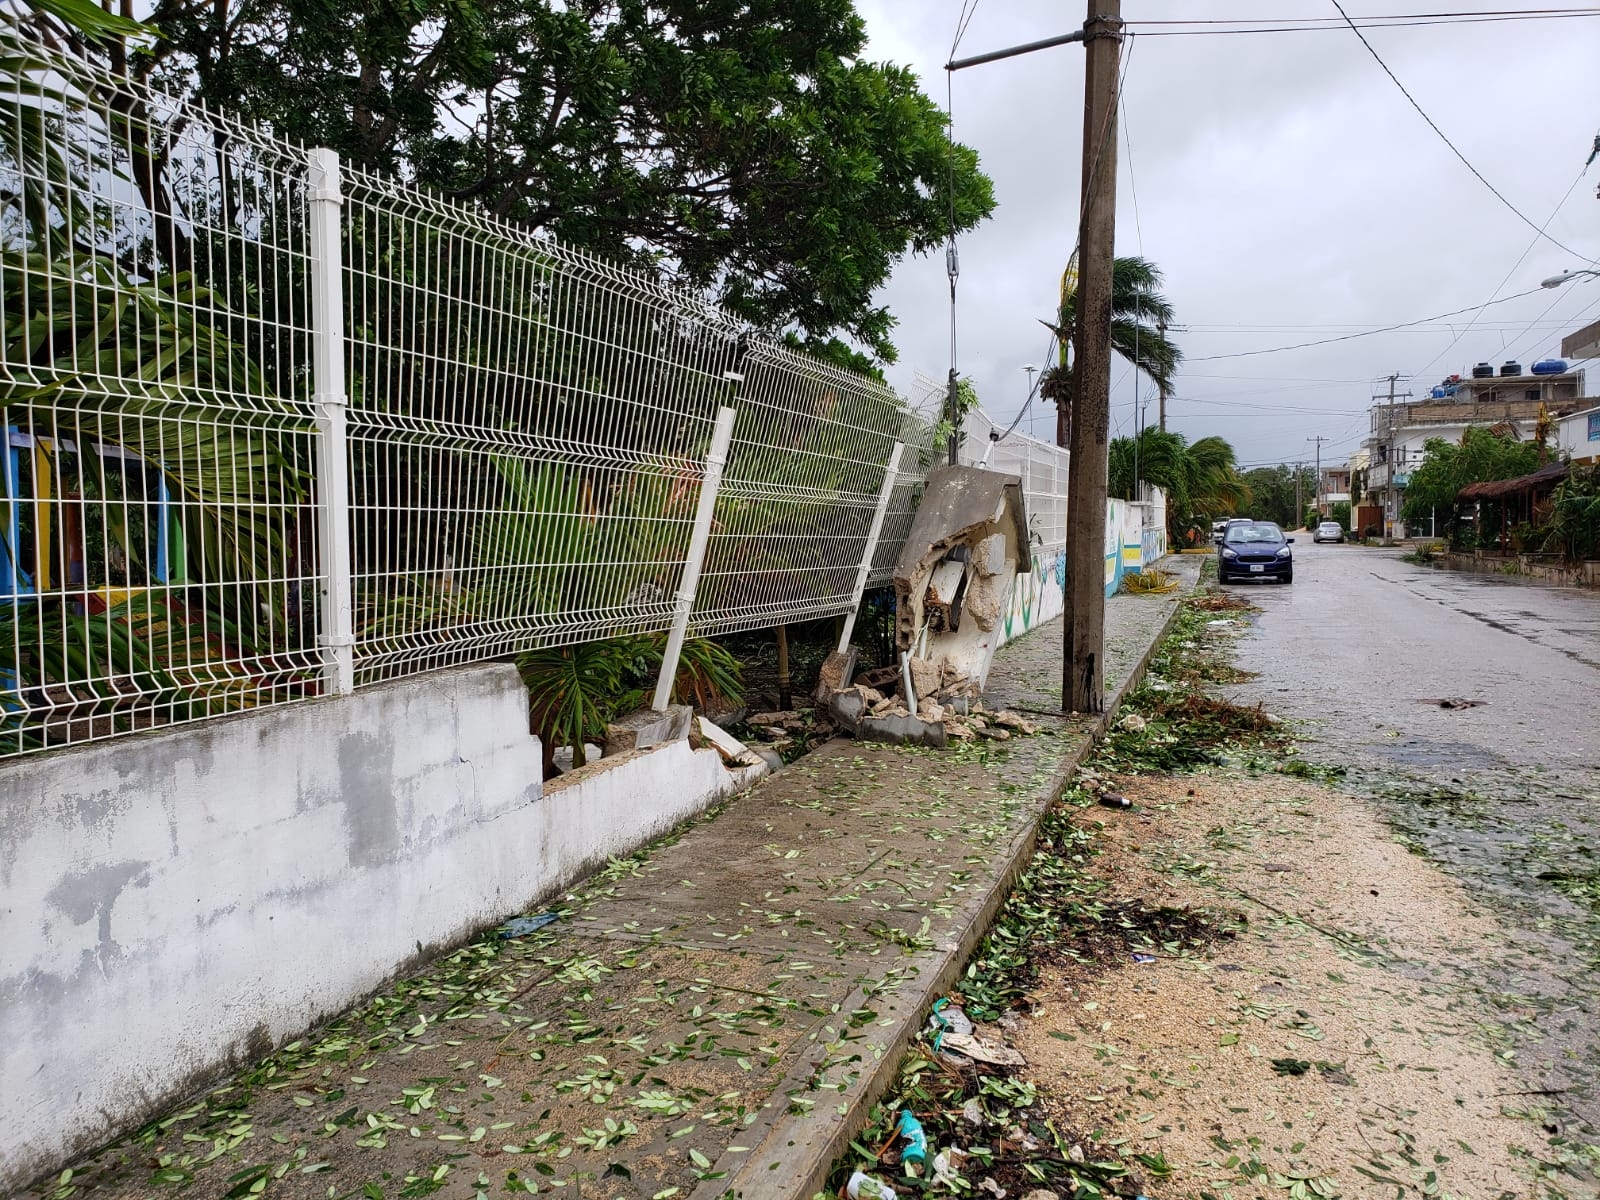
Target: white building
[(1578, 436)]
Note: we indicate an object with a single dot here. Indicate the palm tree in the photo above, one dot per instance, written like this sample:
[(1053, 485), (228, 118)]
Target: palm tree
[(1139, 315), (1200, 479)]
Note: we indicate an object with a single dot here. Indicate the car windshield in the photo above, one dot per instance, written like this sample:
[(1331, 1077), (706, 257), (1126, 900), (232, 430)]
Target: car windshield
[(1270, 534), (1329, 525)]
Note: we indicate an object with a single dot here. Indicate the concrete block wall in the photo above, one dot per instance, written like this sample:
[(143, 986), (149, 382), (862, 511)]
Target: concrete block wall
[(178, 903)]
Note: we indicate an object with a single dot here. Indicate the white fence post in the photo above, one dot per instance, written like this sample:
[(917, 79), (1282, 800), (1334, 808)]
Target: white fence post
[(716, 459), (329, 401), (891, 476)]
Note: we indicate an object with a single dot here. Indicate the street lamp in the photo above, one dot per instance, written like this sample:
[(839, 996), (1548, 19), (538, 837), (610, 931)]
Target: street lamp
[(1558, 280)]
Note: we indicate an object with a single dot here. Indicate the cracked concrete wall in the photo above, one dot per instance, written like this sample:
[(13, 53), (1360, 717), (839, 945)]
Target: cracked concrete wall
[(176, 903)]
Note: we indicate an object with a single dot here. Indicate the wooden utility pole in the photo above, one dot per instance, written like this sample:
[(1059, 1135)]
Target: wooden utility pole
[(1083, 662)]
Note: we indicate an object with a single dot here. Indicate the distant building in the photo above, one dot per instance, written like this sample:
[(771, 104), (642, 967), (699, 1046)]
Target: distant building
[(1512, 400), (1333, 488), (1578, 436)]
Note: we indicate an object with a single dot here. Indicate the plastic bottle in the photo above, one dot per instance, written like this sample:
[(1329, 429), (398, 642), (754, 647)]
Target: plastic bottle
[(916, 1149)]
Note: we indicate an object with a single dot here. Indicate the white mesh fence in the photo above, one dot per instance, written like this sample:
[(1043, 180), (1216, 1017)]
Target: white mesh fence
[(1042, 467), (192, 365), (157, 543)]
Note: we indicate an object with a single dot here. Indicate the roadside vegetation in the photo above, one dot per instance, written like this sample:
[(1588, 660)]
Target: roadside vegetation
[(1109, 893)]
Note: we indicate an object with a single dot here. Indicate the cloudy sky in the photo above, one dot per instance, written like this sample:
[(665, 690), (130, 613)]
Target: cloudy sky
[(1289, 192)]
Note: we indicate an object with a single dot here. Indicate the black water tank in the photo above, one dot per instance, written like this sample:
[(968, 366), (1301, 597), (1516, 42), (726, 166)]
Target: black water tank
[(1510, 368), (1482, 371)]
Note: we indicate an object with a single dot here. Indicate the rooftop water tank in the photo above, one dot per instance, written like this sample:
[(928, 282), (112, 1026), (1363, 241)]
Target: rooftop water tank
[(1510, 368), (1550, 366), (1482, 371), (1438, 393)]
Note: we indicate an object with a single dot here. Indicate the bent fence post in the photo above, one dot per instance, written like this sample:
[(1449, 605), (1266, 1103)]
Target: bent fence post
[(716, 459), (329, 401), (891, 476)]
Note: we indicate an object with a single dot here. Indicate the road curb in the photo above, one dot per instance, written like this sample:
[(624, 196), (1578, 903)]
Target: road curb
[(793, 1161)]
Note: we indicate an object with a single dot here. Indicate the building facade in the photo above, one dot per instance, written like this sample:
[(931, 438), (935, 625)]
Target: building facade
[(1399, 433)]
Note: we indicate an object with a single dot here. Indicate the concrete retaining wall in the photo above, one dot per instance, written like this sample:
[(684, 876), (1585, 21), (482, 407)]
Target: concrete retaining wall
[(1585, 574), (178, 903)]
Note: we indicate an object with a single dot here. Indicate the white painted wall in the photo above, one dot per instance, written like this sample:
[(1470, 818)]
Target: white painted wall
[(177, 903), (1573, 435)]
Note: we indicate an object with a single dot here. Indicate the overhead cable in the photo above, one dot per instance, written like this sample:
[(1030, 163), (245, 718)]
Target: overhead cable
[(1363, 333), (1433, 126)]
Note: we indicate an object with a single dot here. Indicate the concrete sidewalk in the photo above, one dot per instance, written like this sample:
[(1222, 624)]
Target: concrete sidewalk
[(712, 1017)]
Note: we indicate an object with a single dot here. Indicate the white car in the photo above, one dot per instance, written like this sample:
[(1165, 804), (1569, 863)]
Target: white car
[(1328, 531)]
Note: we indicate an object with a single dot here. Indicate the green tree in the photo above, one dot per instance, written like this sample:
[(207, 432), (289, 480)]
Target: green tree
[(1138, 313), (1200, 479), (745, 147), (1447, 467), (1274, 495)]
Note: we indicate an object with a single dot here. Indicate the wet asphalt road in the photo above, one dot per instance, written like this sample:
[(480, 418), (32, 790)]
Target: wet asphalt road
[(1505, 795)]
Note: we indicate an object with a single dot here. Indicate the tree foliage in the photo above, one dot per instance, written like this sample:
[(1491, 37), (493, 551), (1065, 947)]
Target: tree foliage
[(1200, 478), (740, 146), (1273, 494), (1573, 530), (1448, 466), (1138, 312)]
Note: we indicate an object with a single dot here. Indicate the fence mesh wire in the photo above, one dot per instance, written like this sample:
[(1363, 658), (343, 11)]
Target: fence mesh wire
[(527, 429), (157, 545), (1042, 467)]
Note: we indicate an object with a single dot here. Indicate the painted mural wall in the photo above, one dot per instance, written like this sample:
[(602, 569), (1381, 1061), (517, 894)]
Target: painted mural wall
[(1131, 545)]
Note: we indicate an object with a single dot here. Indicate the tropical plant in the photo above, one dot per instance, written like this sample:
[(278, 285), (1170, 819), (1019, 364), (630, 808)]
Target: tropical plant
[(575, 690), (709, 676), (1139, 313), (1479, 456), (1573, 527), (1199, 478)]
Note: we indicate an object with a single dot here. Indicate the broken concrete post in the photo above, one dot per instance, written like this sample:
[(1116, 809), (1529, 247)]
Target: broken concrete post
[(847, 708), (903, 730), (967, 544), (648, 727), (838, 669)]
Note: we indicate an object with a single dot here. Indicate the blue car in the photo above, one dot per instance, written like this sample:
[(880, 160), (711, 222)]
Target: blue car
[(1255, 550)]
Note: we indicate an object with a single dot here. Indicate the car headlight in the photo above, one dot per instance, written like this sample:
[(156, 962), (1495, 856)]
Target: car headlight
[(1284, 552), (1226, 553)]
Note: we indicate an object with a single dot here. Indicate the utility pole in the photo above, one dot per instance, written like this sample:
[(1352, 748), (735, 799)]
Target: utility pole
[(1084, 619), (1391, 495), (1161, 327), (1319, 439)]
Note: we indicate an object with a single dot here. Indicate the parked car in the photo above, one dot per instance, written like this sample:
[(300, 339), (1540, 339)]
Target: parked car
[(1329, 531), (1219, 529), (1254, 550)]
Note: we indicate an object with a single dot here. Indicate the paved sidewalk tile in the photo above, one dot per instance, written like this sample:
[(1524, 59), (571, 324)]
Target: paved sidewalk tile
[(707, 1018)]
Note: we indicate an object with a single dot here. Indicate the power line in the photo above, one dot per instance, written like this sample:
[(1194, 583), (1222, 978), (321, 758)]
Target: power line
[(1364, 333), (1562, 203), (1354, 28), (1250, 27), (1339, 21)]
